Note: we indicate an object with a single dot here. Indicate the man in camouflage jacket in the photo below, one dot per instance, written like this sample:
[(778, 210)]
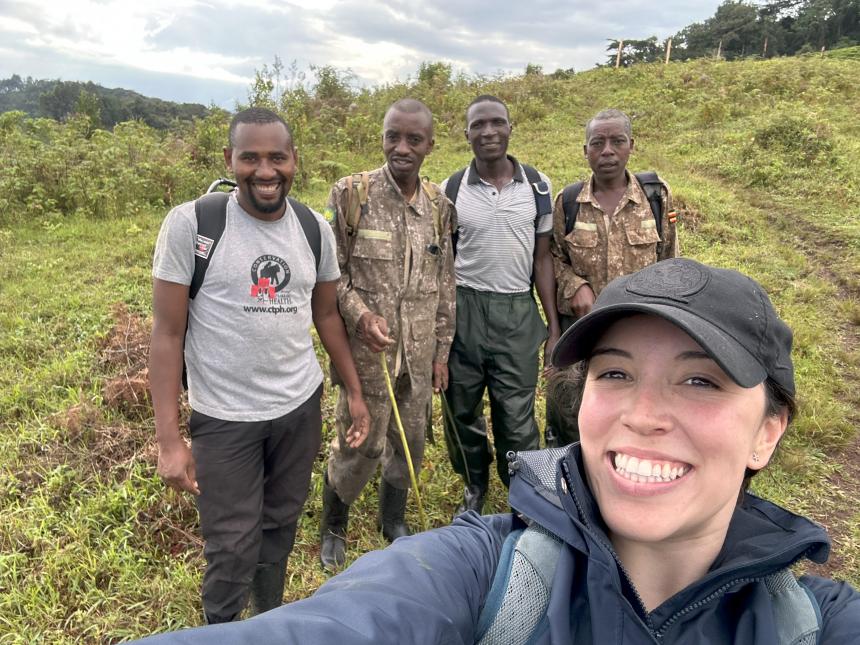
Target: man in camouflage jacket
[(615, 234), (396, 296)]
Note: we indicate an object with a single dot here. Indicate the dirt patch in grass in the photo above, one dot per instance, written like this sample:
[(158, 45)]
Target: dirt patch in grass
[(691, 217), (104, 441), (172, 525), (839, 515), (124, 354)]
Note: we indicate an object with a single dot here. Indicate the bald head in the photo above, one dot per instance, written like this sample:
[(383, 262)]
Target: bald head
[(411, 106)]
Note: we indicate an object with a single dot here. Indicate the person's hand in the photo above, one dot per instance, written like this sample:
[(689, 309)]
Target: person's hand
[(440, 376), (548, 367), (582, 301), (176, 466), (373, 331), (357, 432)]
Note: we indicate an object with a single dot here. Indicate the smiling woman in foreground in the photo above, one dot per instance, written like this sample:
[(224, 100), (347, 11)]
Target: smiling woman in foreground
[(643, 533)]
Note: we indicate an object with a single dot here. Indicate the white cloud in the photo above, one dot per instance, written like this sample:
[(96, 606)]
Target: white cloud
[(215, 42), (16, 25), (120, 33)]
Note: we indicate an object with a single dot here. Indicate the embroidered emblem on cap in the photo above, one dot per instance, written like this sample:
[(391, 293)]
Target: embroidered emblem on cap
[(673, 279)]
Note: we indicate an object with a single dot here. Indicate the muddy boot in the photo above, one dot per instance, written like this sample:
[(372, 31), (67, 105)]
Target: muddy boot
[(392, 508), (267, 587), (335, 515), (473, 500)]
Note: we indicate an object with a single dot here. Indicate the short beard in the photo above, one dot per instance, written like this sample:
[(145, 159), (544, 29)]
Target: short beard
[(267, 208)]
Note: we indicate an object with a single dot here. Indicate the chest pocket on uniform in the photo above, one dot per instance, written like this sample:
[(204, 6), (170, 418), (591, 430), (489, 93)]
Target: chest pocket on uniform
[(370, 263), (583, 235), (373, 247), (643, 231)]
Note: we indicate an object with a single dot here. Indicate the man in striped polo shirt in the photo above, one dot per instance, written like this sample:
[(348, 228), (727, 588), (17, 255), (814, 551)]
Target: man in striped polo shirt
[(504, 225)]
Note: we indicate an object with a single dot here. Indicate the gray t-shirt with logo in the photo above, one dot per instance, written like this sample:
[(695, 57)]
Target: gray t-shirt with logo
[(248, 349)]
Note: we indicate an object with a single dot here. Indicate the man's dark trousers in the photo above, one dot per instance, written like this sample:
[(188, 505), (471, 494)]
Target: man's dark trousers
[(254, 479), (495, 348)]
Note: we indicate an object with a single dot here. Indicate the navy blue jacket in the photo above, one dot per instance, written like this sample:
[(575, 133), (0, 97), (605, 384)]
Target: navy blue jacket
[(429, 588)]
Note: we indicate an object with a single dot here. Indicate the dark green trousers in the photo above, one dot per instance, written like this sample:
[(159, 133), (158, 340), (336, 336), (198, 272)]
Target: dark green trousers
[(495, 348)]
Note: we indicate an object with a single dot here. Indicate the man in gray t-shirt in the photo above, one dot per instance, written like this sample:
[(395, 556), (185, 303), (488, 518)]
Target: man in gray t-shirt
[(254, 382)]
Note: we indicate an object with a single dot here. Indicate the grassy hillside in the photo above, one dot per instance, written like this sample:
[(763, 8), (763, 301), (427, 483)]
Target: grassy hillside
[(762, 159)]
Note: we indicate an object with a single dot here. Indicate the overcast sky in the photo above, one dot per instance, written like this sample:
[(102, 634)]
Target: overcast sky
[(206, 51)]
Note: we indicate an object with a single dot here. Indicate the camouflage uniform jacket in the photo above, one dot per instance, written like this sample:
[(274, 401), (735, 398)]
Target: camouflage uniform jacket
[(603, 246), (402, 269)]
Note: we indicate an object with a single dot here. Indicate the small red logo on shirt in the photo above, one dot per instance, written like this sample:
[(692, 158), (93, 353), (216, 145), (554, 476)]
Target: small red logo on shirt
[(263, 286)]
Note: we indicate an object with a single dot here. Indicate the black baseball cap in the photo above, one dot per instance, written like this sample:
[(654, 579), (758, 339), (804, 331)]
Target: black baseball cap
[(726, 312)]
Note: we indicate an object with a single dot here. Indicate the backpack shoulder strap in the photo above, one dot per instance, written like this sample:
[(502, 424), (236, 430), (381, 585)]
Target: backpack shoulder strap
[(797, 615), (433, 194), (357, 185), (210, 211), (652, 187), (452, 188), (570, 205), (519, 596), (311, 228), (543, 200)]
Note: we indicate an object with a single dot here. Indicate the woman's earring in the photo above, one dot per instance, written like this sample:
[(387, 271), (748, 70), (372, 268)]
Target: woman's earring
[(755, 457)]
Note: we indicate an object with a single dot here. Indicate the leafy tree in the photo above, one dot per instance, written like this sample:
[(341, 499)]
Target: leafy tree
[(333, 85), (11, 84), (823, 23), (59, 102), (434, 74), (89, 106), (634, 51), (739, 28), (561, 74), (734, 30)]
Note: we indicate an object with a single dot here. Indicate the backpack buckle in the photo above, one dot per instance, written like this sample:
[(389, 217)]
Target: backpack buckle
[(541, 187)]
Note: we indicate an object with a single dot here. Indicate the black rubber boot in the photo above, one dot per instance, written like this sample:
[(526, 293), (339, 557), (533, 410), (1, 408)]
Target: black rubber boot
[(215, 620), (473, 499), (267, 587), (335, 516), (392, 508)]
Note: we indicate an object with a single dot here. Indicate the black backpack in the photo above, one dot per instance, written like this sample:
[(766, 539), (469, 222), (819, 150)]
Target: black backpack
[(543, 200), (211, 213), (651, 186)]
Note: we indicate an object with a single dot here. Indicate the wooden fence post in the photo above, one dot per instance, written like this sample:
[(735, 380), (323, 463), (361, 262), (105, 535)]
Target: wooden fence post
[(719, 48), (668, 50), (618, 56)]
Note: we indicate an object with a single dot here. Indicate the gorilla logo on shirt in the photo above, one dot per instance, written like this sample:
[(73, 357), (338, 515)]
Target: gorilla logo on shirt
[(269, 274)]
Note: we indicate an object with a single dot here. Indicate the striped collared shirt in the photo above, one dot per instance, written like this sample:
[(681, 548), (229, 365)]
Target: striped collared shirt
[(496, 229)]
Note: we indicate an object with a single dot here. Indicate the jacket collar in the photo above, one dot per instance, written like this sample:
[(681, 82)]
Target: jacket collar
[(762, 537), (632, 193)]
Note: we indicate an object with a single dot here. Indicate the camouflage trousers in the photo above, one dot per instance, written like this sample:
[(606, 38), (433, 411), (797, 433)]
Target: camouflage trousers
[(349, 469)]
